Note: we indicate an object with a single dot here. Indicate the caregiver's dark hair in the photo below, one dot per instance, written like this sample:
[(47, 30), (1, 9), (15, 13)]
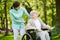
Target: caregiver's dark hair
[(15, 4)]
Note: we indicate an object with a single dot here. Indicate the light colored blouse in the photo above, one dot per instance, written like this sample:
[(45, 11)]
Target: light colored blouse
[(16, 16), (37, 24)]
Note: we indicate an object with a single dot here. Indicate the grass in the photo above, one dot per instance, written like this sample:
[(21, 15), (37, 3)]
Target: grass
[(9, 37), (55, 35)]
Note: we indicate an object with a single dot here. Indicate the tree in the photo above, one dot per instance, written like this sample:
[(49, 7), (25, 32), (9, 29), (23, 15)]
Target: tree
[(5, 9), (58, 13), (44, 1)]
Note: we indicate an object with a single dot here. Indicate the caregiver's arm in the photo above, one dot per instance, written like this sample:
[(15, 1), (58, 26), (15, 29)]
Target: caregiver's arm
[(26, 13)]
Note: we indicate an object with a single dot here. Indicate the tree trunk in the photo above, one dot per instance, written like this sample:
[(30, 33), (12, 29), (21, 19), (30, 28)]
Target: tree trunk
[(58, 13), (5, 8), (52, 13), (44, 9)]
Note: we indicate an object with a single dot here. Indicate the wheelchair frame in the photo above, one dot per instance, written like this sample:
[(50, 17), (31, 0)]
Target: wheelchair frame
[(29, 32), (31, 38)]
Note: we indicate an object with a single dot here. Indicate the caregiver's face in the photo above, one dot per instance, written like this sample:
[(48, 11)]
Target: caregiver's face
[(17, 8)]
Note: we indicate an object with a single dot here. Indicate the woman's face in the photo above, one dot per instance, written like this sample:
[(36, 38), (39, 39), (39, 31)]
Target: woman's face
[(17, 8), (34, 16)]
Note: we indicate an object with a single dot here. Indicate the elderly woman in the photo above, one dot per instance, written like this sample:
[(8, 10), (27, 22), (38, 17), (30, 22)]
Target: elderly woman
[(37, 23)]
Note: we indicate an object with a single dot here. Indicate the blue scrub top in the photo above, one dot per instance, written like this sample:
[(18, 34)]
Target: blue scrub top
[(16, 16)]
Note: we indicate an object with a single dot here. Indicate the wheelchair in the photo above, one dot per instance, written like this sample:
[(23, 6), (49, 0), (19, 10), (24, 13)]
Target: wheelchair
[(31, 35)]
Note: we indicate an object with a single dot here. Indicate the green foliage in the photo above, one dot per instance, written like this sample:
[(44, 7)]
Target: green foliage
[(35, 5)]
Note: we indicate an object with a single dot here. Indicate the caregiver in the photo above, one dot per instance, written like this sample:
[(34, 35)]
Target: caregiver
[(16, 13)]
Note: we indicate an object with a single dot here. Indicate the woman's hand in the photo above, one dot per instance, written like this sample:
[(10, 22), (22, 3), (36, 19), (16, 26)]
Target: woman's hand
[(49, 28)]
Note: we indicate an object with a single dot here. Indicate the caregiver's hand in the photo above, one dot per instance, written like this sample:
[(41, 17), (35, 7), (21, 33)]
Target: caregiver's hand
[(23, 21)]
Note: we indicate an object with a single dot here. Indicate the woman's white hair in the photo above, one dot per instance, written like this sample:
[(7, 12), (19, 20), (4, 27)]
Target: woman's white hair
[(33, 12)]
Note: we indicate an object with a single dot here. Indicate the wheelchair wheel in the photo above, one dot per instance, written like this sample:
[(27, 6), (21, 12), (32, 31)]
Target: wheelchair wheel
[(26, 37), (38, 38)]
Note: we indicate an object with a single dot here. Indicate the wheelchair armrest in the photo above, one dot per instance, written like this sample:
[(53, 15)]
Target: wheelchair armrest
[(49, 31), (44, 29)]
